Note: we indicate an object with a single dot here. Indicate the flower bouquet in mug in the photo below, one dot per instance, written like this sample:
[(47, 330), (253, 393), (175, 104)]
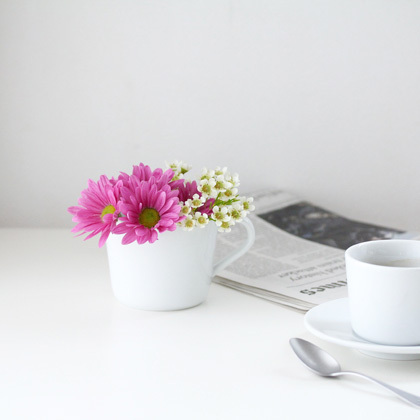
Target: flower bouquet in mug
[(174, 219)]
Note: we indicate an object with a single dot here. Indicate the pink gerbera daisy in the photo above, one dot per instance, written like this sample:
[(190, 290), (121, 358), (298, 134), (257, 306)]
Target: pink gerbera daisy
[(143, 172), (98, 210), (148, 207)]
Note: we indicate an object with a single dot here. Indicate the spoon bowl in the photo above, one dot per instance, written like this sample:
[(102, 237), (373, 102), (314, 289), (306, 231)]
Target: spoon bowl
[(323, 364), (316, 359)]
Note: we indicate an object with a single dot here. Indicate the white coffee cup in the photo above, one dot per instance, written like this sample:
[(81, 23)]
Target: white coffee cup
[(384, 291), (173, 273)]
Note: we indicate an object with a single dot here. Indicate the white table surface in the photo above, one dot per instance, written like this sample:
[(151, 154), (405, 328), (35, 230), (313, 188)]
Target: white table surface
[(69, 350)]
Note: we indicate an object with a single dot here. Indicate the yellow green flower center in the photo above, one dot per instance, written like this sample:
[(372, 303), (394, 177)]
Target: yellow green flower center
[(228, 193), (149, 217), (206, 188), (189, 223), (196, 203), (107, 210), (246, 205), (185, 210), (235, 214)]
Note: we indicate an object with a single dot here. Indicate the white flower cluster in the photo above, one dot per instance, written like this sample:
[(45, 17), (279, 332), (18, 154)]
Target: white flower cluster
[(218, 184), (180, 168), (218, 192), (193, 217), (226, 216)]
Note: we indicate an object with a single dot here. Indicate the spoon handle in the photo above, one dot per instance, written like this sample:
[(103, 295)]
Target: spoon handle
[(406, 396)]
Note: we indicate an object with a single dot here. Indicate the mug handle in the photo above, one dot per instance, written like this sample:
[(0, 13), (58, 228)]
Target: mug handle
[(218, 267)]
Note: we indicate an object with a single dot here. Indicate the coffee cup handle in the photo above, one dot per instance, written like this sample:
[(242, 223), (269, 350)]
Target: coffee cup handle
[(243, 248)]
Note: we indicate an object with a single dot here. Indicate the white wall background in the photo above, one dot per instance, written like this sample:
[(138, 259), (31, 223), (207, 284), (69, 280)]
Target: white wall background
[(320, 98)]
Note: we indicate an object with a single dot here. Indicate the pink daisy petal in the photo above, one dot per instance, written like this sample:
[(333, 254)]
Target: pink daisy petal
[(153, 236), (103, 238), (128, 238), (119, 229), (141, 231), (157, 174), (168, 205), (160, 200)]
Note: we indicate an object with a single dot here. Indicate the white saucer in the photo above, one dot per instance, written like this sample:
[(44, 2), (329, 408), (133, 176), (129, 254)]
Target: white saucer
[(331, 322)]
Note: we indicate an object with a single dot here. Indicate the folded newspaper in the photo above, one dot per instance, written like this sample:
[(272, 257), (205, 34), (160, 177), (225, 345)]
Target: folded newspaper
[(298, 255)]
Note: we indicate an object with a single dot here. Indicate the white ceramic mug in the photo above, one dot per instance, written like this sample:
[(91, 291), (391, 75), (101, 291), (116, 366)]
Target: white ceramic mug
[(173, 273), (384, 291)]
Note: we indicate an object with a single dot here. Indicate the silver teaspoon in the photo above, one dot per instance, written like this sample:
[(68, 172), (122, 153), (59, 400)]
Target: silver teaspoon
[(322, 363)]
